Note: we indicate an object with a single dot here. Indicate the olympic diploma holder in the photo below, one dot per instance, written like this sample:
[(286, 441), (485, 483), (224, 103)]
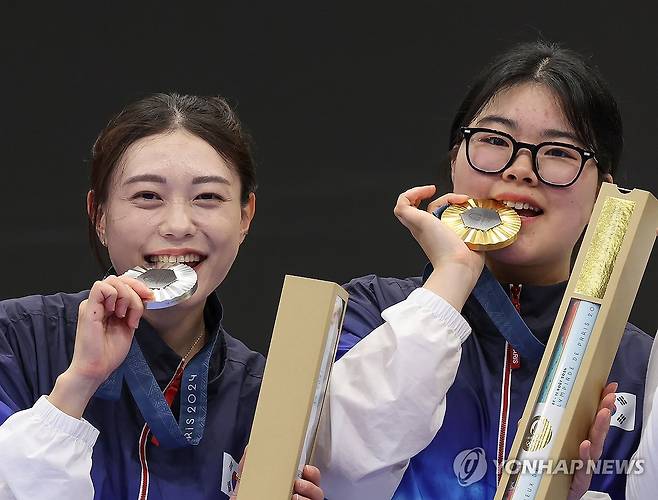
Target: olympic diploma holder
[(299, 361), (583, 343)]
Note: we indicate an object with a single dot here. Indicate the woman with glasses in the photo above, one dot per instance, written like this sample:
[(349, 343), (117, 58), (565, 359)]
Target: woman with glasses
[(432, 374), (102, 396)]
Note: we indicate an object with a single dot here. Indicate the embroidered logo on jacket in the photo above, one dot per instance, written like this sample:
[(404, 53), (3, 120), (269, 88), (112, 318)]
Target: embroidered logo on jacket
[(470, 466)]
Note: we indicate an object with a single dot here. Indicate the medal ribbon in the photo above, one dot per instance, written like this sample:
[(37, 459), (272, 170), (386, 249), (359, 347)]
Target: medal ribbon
[(497, 305), (146, 392)]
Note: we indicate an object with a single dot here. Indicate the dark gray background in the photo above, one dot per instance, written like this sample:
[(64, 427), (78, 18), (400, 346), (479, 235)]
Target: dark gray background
[(349, 104)]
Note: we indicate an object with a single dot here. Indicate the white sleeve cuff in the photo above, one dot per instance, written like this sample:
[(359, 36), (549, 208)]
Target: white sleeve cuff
[(45, 453), (52, 416), (595, 495), (441, 310)]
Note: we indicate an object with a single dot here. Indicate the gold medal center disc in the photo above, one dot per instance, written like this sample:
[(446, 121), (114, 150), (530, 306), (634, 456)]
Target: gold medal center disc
[(483, 224)]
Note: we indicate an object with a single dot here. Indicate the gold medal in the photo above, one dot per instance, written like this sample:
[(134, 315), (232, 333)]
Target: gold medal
[(483, 224)]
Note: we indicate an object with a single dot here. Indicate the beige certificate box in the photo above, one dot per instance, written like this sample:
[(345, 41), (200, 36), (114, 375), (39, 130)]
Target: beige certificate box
[(302, 350), (606, 277)]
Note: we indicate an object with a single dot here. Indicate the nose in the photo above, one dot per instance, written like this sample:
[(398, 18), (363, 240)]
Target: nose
[(177, 222), (522, 169)]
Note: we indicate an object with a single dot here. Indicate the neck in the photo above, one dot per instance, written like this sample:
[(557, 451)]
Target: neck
[(179, 328), (529, 275)]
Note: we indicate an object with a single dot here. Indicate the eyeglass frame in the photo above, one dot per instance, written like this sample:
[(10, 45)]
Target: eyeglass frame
[(585, 154)]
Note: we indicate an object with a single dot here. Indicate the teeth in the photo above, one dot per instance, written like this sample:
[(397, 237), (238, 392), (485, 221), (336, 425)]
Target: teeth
[(173, 259), (519, 205)]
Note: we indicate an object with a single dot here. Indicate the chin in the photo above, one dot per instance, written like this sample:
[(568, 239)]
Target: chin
[(196, 300), (517, 253)]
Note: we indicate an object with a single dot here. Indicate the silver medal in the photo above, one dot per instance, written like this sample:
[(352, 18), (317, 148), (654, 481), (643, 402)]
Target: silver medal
[(170, 284)]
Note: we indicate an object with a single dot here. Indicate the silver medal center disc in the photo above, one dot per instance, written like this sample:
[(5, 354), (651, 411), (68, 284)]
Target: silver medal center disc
[(170, 285), (480, 218)]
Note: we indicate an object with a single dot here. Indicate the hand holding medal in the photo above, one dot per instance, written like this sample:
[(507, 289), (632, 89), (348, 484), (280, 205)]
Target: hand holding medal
[(455, 245), (106, 323), (456, 267), (169, 284)]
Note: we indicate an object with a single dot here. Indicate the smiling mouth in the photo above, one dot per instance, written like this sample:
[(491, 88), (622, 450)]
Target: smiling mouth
[(192, 260), (523, 209)]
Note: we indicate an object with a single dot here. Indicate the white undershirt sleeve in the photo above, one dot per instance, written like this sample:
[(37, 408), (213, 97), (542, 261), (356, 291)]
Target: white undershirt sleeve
[(46, 454), (640, 486), (386, 398), (595, 495)]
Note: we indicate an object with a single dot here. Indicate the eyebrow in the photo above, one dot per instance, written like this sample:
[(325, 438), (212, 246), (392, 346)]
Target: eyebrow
[(204, 179), (550, 134), (497, 119), (146, 178)]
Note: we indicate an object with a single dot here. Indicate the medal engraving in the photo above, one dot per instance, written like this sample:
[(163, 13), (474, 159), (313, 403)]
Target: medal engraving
[(539, 435), (481, 218), (158, 278)]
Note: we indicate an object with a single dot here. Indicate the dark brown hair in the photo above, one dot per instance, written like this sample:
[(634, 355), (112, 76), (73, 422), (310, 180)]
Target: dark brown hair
[(585, 98), (209, 118)]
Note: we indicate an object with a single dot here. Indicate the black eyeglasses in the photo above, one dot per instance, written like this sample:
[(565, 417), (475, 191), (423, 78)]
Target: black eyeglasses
[(555, 163)]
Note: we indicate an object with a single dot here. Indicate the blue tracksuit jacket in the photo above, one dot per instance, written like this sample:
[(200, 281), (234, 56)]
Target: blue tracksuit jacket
[(36, 345), (460, 462)]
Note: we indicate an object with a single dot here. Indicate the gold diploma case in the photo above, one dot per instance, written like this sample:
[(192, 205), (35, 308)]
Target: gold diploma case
[(608, 270), (302, 351)]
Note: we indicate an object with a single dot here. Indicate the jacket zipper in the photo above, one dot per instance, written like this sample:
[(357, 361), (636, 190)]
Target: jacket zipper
[(512, 362), (170, 392)]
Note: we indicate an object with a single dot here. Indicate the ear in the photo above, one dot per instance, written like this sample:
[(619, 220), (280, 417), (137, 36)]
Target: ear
[(248, 211), (100, 223), (604, 178)]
